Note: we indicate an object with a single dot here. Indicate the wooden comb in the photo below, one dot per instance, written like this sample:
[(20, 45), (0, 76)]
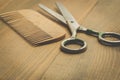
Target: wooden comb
[(33, 27)]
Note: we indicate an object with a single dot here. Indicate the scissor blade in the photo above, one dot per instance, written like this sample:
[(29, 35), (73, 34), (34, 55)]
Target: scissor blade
[(66, 14), (53, 13)]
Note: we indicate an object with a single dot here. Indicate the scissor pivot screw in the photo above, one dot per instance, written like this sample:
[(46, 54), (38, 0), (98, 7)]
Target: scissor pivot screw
[(72, 21)]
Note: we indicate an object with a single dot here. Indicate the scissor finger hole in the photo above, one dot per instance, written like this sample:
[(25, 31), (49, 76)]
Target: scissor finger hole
[(111, 37), (73, 45)]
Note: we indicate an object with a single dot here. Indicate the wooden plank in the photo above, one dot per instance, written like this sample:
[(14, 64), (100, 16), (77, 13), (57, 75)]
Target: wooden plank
[(20, 61), (98, 62)]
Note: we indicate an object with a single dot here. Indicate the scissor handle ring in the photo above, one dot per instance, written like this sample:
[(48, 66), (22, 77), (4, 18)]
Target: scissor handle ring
[(102, 39), (71, 41)]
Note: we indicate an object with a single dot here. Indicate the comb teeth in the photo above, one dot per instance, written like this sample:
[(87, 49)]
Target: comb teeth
[(38, 37), (29, 31), (11, 16)]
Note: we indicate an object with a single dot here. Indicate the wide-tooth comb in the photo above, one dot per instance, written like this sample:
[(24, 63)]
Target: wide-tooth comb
[(29, 24)]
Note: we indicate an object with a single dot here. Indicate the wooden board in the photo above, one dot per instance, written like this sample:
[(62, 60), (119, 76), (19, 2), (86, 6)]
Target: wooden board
[(33, 27), (20, 61)]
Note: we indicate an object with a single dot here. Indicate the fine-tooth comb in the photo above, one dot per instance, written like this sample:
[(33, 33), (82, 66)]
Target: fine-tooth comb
[(33, 27)]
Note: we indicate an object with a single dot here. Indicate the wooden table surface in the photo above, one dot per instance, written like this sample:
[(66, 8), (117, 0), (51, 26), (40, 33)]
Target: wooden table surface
[(21, 61)]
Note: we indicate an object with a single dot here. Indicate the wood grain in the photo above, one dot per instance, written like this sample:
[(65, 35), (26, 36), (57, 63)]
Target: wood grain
[(20, 61)]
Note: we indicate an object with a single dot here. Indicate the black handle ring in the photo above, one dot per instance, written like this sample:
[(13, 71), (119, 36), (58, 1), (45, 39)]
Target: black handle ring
[(102, 39), (73, 41)]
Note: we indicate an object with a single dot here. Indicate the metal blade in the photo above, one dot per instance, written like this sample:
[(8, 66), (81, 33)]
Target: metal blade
[(67, 15), (53, 13)]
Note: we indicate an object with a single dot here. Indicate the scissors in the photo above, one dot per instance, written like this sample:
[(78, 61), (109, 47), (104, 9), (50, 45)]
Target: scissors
[(74, 27)]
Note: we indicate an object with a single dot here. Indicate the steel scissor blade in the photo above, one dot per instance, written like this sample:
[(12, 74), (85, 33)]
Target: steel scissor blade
[(53, 13), (67, 15)]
